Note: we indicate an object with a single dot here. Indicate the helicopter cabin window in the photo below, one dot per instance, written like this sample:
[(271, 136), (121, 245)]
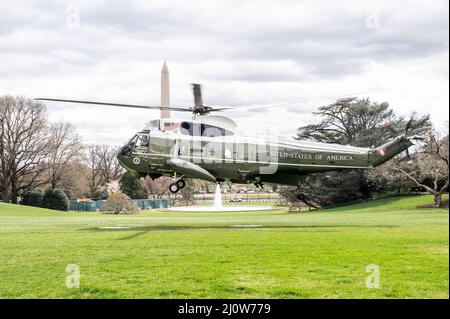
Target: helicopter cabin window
[(187, 128), (211, 131), (200, 129), (142, 141)]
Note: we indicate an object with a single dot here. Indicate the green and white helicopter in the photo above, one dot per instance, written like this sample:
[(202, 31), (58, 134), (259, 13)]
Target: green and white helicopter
[(207, 147)]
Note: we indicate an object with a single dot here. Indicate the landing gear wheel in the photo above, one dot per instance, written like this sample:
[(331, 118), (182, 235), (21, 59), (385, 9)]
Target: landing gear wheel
[(173, 188), (181, 183)]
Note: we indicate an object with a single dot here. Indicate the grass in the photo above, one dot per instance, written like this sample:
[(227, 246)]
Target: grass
[(320, 254)]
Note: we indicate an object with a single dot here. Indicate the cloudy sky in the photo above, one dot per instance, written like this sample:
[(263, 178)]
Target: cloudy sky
[(305, 53)]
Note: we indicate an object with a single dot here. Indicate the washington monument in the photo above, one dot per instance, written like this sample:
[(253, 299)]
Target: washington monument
[(165, 91)]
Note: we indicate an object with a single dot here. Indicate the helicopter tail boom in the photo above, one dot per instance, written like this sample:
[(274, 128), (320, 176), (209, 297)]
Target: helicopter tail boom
[(385, 152)]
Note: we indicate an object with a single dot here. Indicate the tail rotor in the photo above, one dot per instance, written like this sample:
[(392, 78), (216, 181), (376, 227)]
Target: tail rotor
[(409, 126)]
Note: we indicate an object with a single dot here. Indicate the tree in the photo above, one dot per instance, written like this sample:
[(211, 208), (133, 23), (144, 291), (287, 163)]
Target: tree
[(23, 145), (132, 185), (103, 165), (295, 197), (205, 186), (330, 189), (187, 192), (229, 184), (429, 169), (75, 181), (109, 167), (98, 192), (384, 180), (65, 149), (93, 165), (157, 187), (357, 122)]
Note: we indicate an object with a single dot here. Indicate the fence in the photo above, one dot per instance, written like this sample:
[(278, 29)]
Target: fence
[(142, 204)]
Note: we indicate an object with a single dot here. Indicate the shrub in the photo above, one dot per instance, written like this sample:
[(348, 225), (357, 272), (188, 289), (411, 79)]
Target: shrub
[(119, 203), (55, 199), (32, 198)]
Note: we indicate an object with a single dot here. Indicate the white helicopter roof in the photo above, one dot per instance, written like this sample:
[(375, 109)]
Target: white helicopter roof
[(214, 120)]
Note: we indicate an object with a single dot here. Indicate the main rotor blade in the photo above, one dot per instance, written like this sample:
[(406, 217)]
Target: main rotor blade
[(284, 103), (148, 107), (251, 107)]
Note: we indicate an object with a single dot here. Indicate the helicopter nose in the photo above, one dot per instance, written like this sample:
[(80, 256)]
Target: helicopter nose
[(124, 150), (123, 156), (120, 158)]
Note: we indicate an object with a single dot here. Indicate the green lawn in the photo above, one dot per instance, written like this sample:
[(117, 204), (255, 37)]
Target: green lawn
[(320, 254)]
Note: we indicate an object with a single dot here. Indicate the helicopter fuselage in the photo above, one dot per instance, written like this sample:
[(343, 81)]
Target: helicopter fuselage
[(240, 159)]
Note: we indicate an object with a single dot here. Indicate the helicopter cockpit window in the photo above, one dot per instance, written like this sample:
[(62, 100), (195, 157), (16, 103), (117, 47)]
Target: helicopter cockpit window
[(129, 146), (142, 141), (132, 141)]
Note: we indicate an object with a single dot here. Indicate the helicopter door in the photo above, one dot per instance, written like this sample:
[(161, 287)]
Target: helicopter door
[(183, 148), (175, 150), (196, 150), (242, 157), (188, 149)]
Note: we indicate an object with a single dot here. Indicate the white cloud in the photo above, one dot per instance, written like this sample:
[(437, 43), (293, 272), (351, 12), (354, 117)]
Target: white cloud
[(248, 52)]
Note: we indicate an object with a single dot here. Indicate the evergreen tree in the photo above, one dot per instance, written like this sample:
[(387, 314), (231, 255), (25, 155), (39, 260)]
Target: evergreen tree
[(132, 185)]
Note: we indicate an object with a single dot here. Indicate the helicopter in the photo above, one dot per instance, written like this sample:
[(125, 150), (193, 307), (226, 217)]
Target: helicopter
[(207, 147)]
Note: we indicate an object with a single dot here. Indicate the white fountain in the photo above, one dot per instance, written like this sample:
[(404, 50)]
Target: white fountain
[(218, 207), (218, 197)]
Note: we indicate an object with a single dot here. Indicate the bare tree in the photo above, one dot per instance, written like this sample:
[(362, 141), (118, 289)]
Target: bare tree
[(157, 187), (187, 193), (229, 185), (110, 168), (205, 186), (65, 150), (430, 164), (75, 181), (103, 164), (93, 165), (23, 144)]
